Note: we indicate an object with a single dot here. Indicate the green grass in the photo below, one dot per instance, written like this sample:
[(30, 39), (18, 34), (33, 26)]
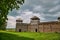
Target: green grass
[(4, 35)]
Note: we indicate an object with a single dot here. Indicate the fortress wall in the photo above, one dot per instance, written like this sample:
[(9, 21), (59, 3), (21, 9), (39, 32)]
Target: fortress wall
[(22, 27), (52, 27), (32, 28), (40, 28), (36, 26), (29, 28), (55, 27), (46, 28)]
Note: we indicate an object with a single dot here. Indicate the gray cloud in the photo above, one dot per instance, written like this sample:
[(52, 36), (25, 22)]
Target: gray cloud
[(47, 10)]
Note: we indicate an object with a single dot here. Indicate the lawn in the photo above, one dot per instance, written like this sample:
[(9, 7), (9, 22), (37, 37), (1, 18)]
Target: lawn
[(4, 35)]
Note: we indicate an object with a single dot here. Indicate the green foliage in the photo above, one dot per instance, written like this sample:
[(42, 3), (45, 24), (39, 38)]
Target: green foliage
[(28, 36), (5, 6)]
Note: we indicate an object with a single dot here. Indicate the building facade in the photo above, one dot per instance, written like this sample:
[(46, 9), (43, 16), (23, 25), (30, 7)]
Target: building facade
[(36, 26)]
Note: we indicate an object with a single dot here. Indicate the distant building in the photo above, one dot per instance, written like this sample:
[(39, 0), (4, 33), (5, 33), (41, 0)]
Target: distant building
[(36, 26)]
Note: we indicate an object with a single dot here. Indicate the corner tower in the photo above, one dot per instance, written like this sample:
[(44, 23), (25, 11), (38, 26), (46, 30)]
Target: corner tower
[(18, 24), (35, 20), (34, 24), (19, 20)]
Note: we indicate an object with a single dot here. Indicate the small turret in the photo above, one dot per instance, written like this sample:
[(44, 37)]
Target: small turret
[(59, 19), (35, 20), (19, 20)]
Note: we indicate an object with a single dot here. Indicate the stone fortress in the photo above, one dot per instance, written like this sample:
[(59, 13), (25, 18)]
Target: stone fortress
[(36, 26)]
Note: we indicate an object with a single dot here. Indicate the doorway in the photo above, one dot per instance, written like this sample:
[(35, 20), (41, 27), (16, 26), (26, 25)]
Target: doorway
[(35, 30), (19, 30)]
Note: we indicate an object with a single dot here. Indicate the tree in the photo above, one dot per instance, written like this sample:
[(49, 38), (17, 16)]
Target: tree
[(5, 6)]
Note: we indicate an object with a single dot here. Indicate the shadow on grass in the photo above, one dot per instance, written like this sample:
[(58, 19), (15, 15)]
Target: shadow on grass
[(8, 36)]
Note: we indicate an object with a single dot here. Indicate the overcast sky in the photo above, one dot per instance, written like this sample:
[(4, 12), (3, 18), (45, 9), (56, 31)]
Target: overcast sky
[(46, 10)]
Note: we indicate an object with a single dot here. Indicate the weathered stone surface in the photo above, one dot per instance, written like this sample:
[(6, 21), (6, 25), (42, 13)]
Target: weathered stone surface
[(37, 26)]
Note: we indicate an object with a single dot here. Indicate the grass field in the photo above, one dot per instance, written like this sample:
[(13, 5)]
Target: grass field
[(4, 35)]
